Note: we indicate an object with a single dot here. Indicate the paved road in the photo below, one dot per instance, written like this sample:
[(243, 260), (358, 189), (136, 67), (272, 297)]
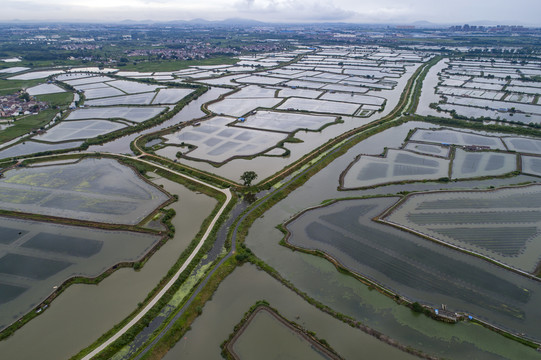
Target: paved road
[(175, 277)]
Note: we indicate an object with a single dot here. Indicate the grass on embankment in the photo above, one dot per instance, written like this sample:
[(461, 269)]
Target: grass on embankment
[(26, 124), (8, 87)]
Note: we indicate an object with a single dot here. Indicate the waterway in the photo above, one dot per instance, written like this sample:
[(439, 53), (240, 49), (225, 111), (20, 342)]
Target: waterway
[(267, 166), (189, 112), (320, 280), (82, 313), (246, 285)]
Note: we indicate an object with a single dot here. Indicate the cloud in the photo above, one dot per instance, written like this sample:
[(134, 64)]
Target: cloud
[(292, 10), (277, 10), (245, 4), (30, 7)]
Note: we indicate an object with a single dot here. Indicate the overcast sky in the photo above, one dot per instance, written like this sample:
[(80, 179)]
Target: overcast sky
[(526, 12)]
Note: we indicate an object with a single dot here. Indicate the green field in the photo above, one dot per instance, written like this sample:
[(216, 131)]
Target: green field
[(12, 86), (25, 124), (57, 100)]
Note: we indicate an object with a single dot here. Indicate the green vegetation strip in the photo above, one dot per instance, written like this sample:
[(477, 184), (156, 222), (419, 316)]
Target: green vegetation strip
[(8, 87), (419, 84), (182, 325), (319, 345), (26, 124), (130, 335), (339, 141), (244, 254)]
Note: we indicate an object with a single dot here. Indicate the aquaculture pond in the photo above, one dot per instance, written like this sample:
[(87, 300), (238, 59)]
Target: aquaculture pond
[(246, 285), (395, 166), (428, 149), (531, 165), (267, 336), (455, 137), (319, 279), (503, 224), (523, 145), (215, 141), (101, 190), (476, 164), (171, 96), (31, 147), (79, 130), (134, 99), (189, 112), (114, 298), (319, 106), (476, 88), (267, 166), (239, 107), (416, 268), (135, 114), (37, 257), (44, 89), (284, 121)]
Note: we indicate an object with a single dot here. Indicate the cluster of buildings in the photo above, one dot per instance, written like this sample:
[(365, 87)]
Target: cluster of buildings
[(15, 105), (490, 29), (202, 51)]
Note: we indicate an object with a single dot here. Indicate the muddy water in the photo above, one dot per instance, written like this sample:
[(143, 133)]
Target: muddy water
[(242, 289), (189, 112), (84, 312), (319, 278), (418, 269), (38, 263), (428, 91), (262, 335)]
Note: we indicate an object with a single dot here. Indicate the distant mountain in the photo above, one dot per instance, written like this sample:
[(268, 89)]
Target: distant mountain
[(134, 22), (243, 22)]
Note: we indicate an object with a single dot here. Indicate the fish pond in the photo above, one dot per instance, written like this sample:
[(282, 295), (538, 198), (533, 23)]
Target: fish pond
[(264, 330), (503, 224), (100, 190), (415, 267), (37, 257)]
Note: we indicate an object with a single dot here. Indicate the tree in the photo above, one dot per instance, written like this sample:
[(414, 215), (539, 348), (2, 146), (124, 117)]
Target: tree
[(248, 177), (24, 96)]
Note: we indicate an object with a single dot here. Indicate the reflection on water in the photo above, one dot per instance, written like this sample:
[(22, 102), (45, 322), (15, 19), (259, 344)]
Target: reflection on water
[(320, 280), (246, 285), (100, 307), (189, 112)]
